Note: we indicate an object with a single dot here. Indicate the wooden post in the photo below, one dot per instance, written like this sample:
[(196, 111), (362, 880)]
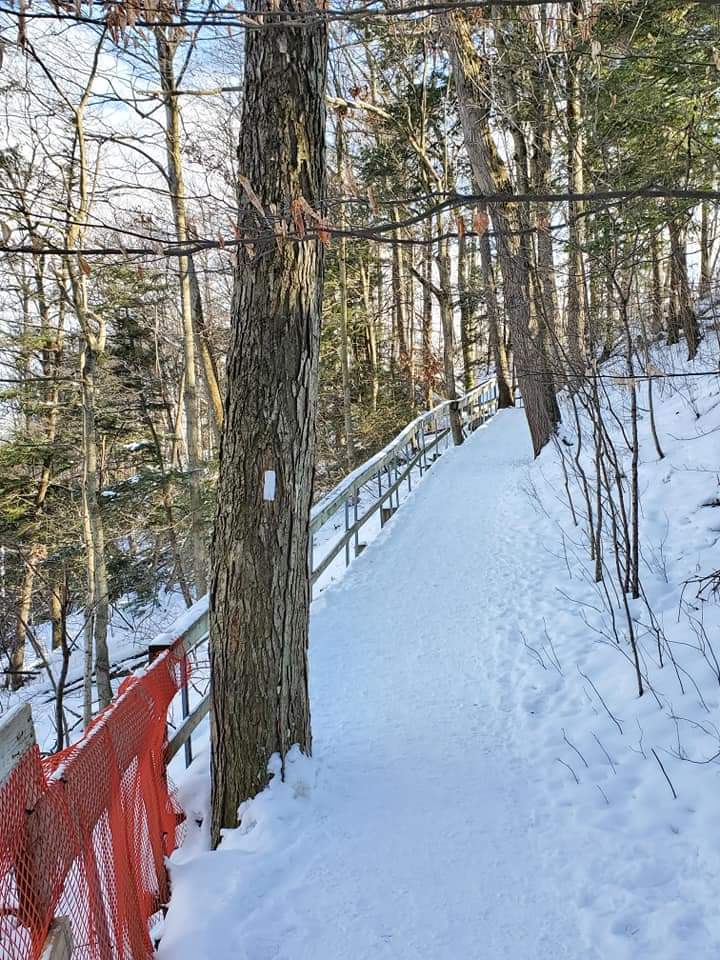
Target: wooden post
[(17, 736), (59, 943)]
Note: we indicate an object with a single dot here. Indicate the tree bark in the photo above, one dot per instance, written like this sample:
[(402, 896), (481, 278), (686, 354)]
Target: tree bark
[(705, 251), (370, 326), (657, 283), (496, 340), (399, 303), (260, 581), (684, 313), (465, 318)]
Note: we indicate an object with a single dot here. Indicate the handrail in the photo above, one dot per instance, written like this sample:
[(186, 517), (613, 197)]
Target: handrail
[(409, 449), (330, 504)]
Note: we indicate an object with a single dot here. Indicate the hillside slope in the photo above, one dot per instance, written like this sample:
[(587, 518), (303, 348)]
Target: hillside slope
[(483, 782)]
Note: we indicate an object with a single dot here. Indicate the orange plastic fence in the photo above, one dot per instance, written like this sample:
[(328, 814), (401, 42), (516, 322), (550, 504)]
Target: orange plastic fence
[(85, 833)]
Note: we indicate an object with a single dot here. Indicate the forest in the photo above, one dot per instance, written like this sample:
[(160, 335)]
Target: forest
[(243, 246)]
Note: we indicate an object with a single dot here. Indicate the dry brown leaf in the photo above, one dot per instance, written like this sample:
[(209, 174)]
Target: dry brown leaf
[(481, 221), (324, 233)]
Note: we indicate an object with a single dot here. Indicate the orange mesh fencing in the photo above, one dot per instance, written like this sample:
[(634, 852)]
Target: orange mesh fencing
[(85, 833)]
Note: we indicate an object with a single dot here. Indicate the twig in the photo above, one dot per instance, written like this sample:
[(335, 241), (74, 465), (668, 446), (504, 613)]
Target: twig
[(609, 758), (654, 753), (599, 696), (573, 747), (569, 768)]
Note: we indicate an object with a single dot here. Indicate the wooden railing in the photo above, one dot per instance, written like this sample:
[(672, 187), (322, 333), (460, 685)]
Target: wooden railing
[(371, 489)]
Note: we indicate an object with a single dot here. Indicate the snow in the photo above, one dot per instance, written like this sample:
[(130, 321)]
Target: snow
[(182, 624), (485, 782), (332, 531), (130, 631), (409, 833)]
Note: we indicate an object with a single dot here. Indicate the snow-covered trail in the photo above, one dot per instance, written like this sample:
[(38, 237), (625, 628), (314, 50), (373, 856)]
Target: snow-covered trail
[(412, 832)]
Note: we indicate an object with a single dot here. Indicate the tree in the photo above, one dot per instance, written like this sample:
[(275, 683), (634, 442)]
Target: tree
[(260, 584), (491, 175)]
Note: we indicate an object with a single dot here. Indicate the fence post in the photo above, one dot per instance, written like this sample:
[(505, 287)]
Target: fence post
[(17, 736), (59, 943)]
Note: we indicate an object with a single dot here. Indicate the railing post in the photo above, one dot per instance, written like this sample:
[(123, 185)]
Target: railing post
[(185, 702), (154, 651), (347, 527), (355, 517)]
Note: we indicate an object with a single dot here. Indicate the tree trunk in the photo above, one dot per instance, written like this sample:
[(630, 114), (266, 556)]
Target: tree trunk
[(705, 251), (490, 176), (542, 108), (370, 326), (24, 602), (443, 295), (496, 340), (685, 315), (427, 354), (399, 302), (447, 320), (211, 374), (260, 582), (657, 284), (56, 613), (576, 319), (165, 53), (410, 337), (95, 549), (465, 313), (345, 360), (344, 350), (166, 496)]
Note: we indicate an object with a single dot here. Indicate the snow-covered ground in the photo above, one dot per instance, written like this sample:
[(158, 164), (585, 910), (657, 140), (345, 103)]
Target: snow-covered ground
[(439, 817)]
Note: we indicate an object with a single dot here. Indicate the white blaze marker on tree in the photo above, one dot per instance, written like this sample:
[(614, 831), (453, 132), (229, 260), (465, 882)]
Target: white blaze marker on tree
[(269, 485)]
